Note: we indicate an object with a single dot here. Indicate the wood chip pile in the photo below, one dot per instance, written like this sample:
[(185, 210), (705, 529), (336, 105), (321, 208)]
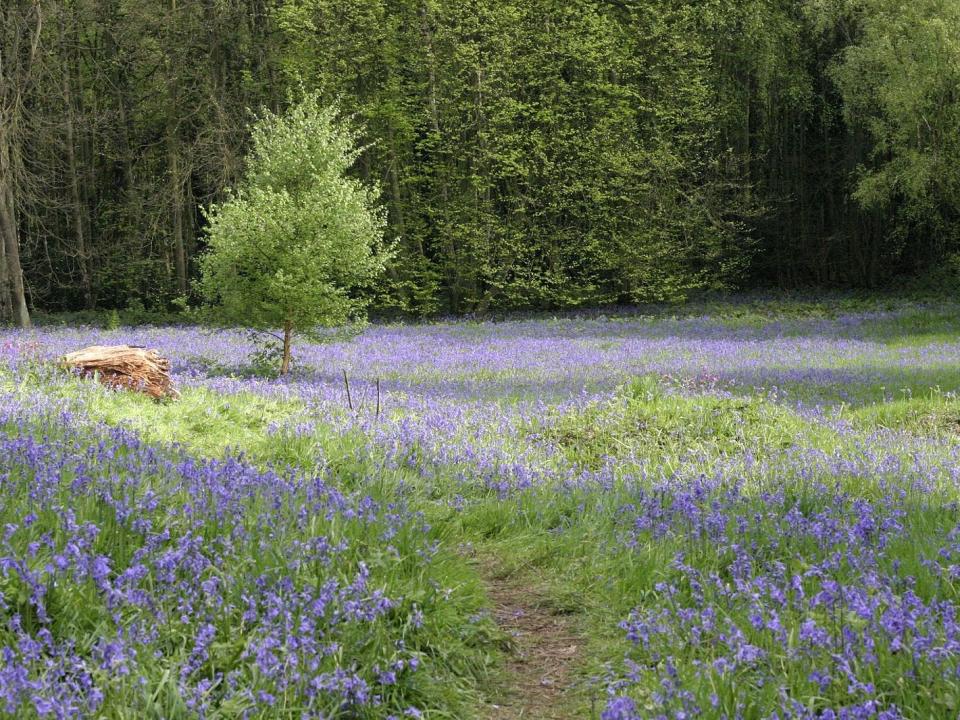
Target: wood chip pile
[(124, 367)]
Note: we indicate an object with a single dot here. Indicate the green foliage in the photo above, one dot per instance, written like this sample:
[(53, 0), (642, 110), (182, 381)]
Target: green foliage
[(541, 154), (899, 81), (300, 239), (531, 155), (267, 354)]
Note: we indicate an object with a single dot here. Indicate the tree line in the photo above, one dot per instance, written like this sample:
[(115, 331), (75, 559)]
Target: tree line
[(528, 153)]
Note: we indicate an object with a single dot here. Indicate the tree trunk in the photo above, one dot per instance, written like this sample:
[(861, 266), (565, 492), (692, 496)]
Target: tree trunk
[(6, 308), (449, 249), (124, 367), (74, 171), (16, 74), (176, 197), (11, 237), (176, 181), (287, 336), (394, 175)]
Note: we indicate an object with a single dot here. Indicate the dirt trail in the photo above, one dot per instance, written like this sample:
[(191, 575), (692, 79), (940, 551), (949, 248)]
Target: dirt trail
[(545, 652)]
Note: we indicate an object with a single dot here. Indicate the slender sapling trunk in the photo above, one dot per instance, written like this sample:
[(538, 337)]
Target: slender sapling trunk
[(287, 334)]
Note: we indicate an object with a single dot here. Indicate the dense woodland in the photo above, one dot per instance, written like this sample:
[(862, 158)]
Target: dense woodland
[(529, 153)]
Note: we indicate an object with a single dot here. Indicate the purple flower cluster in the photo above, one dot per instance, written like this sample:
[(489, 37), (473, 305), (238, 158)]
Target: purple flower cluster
[(792, 603), (548, 360), (137, 578), (458, 395)]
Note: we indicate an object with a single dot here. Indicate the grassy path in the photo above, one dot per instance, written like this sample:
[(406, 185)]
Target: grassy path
[(545, 648)]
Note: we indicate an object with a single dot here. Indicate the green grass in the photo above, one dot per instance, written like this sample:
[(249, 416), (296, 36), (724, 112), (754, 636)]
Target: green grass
[(648, 423), (916, 327), (931, 415)]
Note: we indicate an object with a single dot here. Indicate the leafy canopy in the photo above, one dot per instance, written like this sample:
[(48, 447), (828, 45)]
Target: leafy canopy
[(295, 244), (900, 82)]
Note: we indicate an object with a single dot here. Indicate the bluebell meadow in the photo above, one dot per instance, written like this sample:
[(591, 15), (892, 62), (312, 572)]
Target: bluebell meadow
[(758, 516)]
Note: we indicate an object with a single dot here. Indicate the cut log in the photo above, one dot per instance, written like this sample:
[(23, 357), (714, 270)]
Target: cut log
[(124, 367)]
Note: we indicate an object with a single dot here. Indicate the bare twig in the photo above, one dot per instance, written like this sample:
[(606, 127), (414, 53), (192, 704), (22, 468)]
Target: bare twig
[(346, 383)]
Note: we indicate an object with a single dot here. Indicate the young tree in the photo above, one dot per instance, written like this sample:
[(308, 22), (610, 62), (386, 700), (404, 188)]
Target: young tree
[(292, 245)]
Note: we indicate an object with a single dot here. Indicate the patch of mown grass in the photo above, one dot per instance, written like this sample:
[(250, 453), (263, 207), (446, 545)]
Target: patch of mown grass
[(915, 326), (206, 422), (648, 423), (932, 415)]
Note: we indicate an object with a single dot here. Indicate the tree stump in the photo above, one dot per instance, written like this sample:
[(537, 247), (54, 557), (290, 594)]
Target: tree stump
[(124, 367)]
